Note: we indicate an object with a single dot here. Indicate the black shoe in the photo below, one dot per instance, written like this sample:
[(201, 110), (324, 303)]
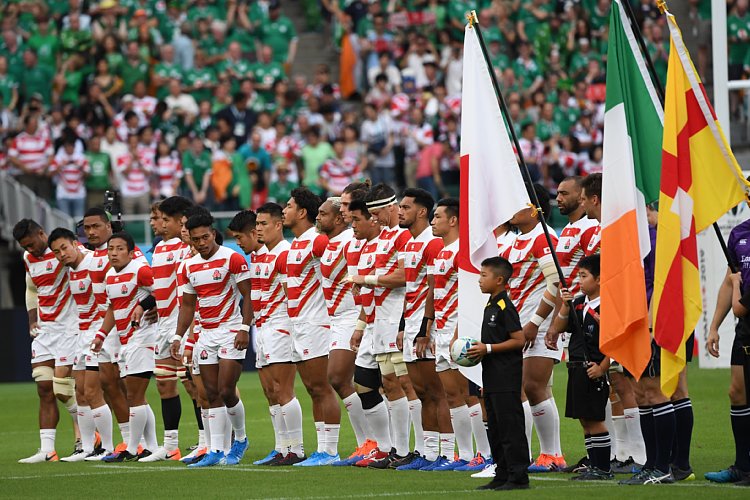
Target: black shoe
[(409, 458), (579, 466), (276, 459), (744, 479), (683, 474), (143, 454), (385, 463), (492, 485), (623, 467), (593, 474), (512, 486), (290, 459), (123, 456)]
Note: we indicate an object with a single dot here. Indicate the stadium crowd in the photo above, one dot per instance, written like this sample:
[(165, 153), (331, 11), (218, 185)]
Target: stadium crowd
[(200, 97)]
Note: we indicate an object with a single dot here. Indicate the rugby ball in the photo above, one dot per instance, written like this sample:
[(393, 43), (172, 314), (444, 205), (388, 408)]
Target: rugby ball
[(459, 349)]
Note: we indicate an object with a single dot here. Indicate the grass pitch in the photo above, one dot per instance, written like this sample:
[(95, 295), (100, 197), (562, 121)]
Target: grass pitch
[(712, 449)]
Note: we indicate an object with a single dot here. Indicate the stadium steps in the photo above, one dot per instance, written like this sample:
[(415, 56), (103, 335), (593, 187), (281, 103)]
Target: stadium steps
[(315, 47)]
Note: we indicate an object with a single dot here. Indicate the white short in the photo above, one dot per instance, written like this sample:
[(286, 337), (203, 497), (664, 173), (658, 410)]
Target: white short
[(260, 359), (111, 348), (163, 343), (213, 345), (410, 336), (385, 333), (342, 328), (84, 356), (443, 360), (540, 349), (275, 343), (136, 358), (365, 354), (309, 341), (196, 368), (60, 345)]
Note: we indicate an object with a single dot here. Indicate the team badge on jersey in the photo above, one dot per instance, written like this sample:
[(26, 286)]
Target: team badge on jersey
[(170, 257), (299, 256), (217, 275), (100, 264), (369, 260), (49, 265), (81, 286), (442, 267), (124, 289)]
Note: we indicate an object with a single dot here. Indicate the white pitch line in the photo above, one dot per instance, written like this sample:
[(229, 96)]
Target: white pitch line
[(243, 468)]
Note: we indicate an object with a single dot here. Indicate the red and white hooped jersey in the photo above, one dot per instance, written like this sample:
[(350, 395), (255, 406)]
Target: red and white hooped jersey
[(55, 303), (334, 267), (366, 266), (339, 173), (165, 263), (125, 289), (445, 275), (144, 107), (70, 171), (90, 315), (505, 241), (571, 248), (419, 256), (303, 287), (353, 250), (147, 155), (136, 181), (272, 279), (595, 241), (168, 170), (527, 284), (181, 280), (214, 282), (256, 288), (34, 151), (98, 268), (389, 302)]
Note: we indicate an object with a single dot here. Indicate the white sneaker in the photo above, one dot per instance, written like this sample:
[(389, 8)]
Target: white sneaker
[(77, 456), (157, 456), (488, 471), (40, 457), (96, 457), (194, 453)]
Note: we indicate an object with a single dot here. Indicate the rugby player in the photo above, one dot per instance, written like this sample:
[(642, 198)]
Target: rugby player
[(533, 289), (216, 277), (53, 326), (128, 283), (310, 322), (93, 412), (343, 311)]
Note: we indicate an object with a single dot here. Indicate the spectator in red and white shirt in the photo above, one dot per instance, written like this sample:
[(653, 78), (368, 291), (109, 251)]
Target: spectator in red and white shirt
[(168, 171), (29, 157), (69, 168), (134, 182), (337, 173)]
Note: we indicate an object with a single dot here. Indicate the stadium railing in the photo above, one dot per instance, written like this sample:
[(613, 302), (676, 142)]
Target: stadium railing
[(18, 202)]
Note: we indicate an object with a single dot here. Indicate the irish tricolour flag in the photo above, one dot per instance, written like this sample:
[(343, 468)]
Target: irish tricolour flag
[(633, 130)]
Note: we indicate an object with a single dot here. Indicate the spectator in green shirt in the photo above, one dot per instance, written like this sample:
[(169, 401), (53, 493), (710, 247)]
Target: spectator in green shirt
[(134, 68), (8, 86), (267, 72), (99, 180), (196, 163), (280, 189), (165, 71), (279, 33), (314, 154), (738, 31), (73, 39), (46, 44), (13, 51), (36, 78)]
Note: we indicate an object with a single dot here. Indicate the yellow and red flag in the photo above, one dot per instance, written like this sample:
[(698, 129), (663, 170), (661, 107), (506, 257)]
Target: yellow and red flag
[(700, 181)]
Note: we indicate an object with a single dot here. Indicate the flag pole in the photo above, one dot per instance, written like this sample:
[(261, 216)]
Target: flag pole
[(659, 86), (474, 22)]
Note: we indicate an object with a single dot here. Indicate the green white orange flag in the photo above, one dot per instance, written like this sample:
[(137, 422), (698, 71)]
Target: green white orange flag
[(632, 160), (700, 182)]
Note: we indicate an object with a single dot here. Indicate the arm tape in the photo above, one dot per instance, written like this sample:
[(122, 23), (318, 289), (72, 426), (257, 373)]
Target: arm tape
[(32, 300), (148, 303), (551, 277)]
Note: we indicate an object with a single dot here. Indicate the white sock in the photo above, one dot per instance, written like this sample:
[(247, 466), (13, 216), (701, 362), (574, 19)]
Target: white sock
[(283, 444), (103, 423), (171, 439), (447, 445), (633, 424), (529, 425), (331, 438), (610, 425), (431, 445), (415, 412), (47, 439), (274, 411), (292, 414), (201, 439), (72, 408), (479, 431), (87, 428), (227, 433), (556, 414), (390, 421), (544, 420), (320, 434), (620, 438), (138, 419), (149, 432), (353, 406), (379, 423), (400, 425), (206, 427), (462, 429), (217, 420), (124, 431), (237, 417)]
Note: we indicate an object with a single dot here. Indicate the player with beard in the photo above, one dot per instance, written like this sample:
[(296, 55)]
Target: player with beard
[(343, 312), (52, 326)]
